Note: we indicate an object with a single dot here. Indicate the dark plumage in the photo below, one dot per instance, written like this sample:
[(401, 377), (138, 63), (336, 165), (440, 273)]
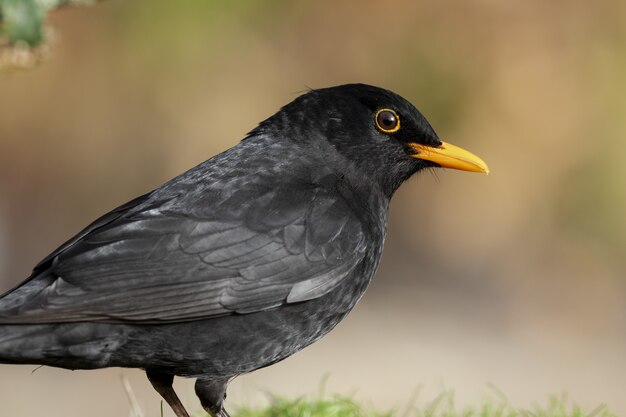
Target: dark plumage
[(237, 263)]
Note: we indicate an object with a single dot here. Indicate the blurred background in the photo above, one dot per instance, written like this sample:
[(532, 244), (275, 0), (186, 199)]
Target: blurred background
[(516, 279)]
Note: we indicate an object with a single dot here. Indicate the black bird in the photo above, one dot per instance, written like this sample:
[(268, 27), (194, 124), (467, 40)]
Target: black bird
[(237, 263)]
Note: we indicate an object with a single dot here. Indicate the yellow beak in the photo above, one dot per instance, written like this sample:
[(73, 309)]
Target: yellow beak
[(449, 156)]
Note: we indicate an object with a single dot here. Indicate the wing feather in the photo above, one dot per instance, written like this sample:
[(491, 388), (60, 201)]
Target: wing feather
[(146, 263)]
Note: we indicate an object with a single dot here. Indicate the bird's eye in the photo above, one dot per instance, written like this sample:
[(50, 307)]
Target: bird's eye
[(387, 121)]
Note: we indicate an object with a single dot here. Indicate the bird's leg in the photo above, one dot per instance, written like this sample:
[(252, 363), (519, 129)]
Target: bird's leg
[(162, 383), (212, 393)]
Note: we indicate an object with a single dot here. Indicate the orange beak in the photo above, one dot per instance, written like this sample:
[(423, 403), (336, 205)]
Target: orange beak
[(449, 156)]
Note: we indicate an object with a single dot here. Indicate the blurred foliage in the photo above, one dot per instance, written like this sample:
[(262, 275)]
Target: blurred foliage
[(22, 20), (23, 35)]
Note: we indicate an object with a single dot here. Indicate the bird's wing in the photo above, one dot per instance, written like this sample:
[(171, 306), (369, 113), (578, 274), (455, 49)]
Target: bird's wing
[(237, 253)]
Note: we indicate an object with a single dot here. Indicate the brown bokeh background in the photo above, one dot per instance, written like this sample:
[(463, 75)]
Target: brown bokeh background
[(515, 279)]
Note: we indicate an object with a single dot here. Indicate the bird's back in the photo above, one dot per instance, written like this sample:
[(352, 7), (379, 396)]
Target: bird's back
[(232, 244)]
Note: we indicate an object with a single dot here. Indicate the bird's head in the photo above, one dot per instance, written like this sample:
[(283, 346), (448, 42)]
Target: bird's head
[(372, 132)]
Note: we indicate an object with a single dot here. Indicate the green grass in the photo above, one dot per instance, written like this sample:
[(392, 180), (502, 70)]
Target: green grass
[(333, 407), (442, 406)]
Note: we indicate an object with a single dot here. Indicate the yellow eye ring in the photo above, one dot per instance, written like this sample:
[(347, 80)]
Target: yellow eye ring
[(387, 121)]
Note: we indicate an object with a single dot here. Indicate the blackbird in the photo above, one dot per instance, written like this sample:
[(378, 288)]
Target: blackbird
[(237, 263)]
